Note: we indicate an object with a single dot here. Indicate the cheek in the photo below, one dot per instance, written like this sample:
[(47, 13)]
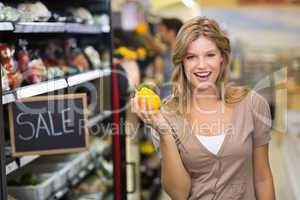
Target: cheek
[(216, 66), (187, 70)]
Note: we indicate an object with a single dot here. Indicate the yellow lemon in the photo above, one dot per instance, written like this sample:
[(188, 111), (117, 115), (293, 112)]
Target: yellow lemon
[(141, 29), (147, 100), (127, 53), (147, 148), (141, 52)]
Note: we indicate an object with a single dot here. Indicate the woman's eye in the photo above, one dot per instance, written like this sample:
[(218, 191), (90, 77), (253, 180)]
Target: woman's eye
[(190, 57), (211, 55)]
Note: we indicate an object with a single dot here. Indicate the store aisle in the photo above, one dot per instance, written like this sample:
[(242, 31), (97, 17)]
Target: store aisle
[(281, 181)]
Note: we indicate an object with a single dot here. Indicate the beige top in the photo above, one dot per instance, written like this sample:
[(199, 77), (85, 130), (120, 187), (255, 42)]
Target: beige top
[(228, 175)]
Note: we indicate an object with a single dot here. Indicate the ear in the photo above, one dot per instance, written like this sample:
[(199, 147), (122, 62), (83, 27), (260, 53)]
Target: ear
[(222, 59), (172, 33)]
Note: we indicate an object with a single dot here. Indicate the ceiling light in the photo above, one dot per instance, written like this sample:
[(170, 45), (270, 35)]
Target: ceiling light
[(189, 3)]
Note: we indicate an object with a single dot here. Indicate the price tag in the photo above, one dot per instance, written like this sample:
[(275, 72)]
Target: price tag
[(82, 174), (27, 159), (75, 181), (60, 193), (11, 167), (91, 166)]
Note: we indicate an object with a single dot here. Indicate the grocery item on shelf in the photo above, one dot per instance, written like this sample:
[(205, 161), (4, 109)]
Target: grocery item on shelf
[(93, 56), (37, 11), (7, 53), (54, 59), (11, 197), (94, 196), (9, 14), (141, 29), (54, 72), (127, 53), (83, 14), (102, 20), (31, 66), (25, 179), (4, 79), (74, 55), (141, 52)]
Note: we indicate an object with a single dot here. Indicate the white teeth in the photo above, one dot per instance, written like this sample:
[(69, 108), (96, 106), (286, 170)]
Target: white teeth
[(202, 73)]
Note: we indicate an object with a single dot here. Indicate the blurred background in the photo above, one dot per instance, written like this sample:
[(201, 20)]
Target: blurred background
[(265, 37), (109, 48)]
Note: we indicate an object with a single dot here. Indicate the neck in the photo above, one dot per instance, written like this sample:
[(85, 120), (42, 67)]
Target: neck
[(204, 100)]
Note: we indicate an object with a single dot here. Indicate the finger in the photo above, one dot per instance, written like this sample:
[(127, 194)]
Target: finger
[(144, 116), (132, 105), (144, 108), (140, 114)]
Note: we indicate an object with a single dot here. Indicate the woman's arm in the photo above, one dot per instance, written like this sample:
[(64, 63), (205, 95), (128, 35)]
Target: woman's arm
[(263, 179), (175, 179)]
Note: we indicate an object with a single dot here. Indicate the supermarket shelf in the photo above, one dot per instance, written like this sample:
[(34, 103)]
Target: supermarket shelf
[(58, 27), (6, 26), (72, 171), (40, 88), (8, 97), (39, 27), (87, 76), (86, 28), (13, 165), (27, 159), (53, 85), (94, 120), (75, 181), (59, 194)]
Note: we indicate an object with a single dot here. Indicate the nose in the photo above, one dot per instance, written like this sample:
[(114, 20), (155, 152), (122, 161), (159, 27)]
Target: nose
[(201, 64)]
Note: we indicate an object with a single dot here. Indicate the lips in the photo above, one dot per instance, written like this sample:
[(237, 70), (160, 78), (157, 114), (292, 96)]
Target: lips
[(202, 75)]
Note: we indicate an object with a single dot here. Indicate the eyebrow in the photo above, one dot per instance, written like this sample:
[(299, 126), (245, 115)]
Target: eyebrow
[(209, 51)]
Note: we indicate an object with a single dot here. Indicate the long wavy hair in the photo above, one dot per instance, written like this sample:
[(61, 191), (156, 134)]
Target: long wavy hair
[(190, 31)]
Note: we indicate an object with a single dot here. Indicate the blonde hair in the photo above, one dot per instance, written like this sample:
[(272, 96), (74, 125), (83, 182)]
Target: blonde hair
[(190, 31)]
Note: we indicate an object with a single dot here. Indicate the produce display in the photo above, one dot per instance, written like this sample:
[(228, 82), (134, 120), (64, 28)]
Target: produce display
[(38, 12), (25, 179), (41, 41), (23, 65)]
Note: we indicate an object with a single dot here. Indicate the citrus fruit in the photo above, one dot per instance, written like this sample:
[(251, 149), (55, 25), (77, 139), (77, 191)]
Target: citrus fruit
[(147, 100)]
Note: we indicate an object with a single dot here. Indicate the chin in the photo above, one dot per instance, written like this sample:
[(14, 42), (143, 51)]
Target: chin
[(204, 86)]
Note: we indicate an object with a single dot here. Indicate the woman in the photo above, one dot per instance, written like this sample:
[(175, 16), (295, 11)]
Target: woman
[(213, 137)]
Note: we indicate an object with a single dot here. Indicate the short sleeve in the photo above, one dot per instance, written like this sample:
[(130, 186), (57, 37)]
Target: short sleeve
[(261, 119)]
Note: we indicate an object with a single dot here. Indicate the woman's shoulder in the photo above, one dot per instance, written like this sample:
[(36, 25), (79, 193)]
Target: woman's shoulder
[(257, 100), (254, 102)]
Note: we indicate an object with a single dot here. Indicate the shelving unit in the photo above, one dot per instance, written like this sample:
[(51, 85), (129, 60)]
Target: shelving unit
[(87, 76), (94, 76), (53, 85), (89, 159), (56, 27), (13, 165), (6, 26)]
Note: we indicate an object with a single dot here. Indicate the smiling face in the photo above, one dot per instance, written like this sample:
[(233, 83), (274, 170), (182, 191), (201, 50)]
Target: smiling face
[(202, 63)]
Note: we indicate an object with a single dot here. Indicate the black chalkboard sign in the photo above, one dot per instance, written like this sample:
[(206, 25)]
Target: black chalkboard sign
[(49, 125)]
